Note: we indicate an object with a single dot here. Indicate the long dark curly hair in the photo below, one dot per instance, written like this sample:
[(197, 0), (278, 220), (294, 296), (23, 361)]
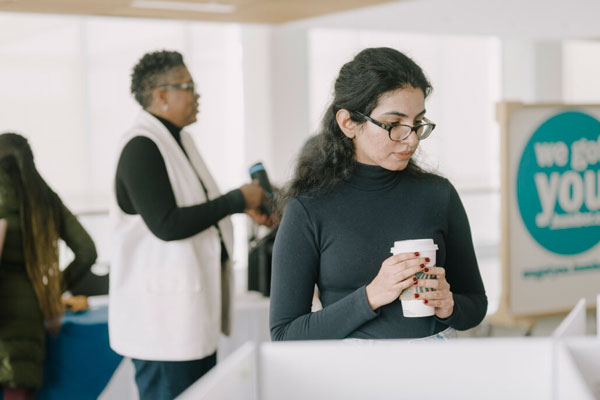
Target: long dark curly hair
[(328, 158), (40, 223)]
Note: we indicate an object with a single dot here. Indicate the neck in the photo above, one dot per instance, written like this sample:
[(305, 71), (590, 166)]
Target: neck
[(374, 177), (163, 115)]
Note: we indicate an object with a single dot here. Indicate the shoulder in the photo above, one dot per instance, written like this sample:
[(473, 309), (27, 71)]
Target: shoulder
[(299, 210), (442, 185), (436, 188), (139, 149), (296, 205), (430, 181), (139, 144), (444, 190)]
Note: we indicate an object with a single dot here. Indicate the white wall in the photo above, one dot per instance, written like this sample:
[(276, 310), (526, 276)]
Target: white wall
[(65, 85)]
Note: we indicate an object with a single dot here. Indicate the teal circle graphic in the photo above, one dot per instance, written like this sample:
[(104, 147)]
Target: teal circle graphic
[(558, 183)]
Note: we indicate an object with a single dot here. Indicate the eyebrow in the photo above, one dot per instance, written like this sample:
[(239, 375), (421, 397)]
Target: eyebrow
[(404, 115)]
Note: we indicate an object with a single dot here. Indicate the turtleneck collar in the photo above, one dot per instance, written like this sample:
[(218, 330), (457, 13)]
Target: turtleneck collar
[(171, 127), (374, 177)]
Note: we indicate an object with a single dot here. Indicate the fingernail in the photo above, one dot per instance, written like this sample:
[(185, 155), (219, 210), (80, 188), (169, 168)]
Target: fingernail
[(426, 270), (422, 265), (416, 295), (426, 259), (415, 280), (425, 301), (416, 253)]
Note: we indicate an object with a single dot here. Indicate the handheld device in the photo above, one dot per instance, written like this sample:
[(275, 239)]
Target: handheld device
[(257, 171)]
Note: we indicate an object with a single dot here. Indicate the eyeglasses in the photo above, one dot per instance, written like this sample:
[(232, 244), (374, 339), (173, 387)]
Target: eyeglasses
[(398, 132), (189, 86)]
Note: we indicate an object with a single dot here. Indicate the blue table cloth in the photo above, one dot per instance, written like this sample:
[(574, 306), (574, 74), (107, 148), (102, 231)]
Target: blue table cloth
[(79, 362)]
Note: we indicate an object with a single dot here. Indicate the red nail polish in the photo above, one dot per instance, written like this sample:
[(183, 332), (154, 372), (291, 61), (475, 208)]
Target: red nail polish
[(416, 295), (422, 265), (426, 270), (425, 301), (416, 253), (426, 259), (415, 280)]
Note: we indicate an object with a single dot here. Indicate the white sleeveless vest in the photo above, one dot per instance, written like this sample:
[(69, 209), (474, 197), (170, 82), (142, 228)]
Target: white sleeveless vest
[(165, 298)]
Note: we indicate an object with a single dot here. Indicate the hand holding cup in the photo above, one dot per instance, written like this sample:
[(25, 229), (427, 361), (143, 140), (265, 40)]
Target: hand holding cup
[(439, 297), (396, 274), (412, 304)]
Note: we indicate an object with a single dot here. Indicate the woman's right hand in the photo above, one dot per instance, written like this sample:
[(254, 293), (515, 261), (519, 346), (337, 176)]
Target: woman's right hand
[(254, 195), (396, 274)]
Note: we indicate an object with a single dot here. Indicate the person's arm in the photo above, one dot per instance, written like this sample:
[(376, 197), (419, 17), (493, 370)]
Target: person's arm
[(80, 242), (295, 272), (143, 188), (2, 234), (462, 270)]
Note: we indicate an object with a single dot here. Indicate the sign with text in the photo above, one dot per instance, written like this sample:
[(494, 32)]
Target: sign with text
[(551, 197)]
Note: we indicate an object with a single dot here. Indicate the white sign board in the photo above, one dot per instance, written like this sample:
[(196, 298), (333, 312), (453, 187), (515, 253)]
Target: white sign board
[(551, 206)]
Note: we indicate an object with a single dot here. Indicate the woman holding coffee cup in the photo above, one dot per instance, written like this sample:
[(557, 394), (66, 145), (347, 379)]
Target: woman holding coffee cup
[(355, 194)]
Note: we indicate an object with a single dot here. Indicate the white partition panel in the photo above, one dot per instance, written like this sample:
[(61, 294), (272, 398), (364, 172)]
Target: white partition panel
[(461, 369), (233, 378), (578, 369), (574, 323)]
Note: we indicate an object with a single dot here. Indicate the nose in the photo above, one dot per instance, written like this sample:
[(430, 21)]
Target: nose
[(412, 139)]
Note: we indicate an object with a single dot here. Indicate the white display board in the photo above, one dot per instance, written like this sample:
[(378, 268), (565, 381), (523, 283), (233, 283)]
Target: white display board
[(461, 369), (234, 378), (578, 369), (550, 206)]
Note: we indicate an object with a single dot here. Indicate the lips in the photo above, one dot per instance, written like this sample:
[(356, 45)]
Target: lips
[(403, 156)]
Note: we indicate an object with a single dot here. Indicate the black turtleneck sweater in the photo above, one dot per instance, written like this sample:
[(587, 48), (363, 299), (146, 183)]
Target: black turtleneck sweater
[(143, 187), (339, 240)]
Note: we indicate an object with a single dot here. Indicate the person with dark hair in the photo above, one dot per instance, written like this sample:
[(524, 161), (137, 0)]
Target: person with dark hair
[(356, 190), (31, 283), (173, 239)]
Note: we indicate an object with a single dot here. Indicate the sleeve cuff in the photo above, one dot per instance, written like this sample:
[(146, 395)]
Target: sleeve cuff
[(236, 201), (363, 304), (452, 318)]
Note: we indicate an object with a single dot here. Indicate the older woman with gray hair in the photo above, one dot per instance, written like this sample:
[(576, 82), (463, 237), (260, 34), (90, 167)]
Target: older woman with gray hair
[(173, 238)]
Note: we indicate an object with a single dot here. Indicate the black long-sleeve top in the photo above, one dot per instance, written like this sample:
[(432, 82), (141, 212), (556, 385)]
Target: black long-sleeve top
[(143, 187), (339, 241)]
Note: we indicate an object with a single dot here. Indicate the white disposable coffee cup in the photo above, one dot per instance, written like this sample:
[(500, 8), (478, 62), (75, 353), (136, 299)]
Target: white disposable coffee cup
[(412, 307)]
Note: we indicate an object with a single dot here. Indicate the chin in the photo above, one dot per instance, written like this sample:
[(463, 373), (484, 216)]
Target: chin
[(395, 165)]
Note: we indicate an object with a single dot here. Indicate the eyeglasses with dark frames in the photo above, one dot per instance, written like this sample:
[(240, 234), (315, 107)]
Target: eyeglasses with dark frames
[(189, 86), (399, 132)]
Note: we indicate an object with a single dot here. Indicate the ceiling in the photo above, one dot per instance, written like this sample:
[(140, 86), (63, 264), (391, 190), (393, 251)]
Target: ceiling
[(248, 11), (507, 19)]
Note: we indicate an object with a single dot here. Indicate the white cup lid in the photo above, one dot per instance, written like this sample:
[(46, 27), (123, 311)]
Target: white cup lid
[(407, 246)]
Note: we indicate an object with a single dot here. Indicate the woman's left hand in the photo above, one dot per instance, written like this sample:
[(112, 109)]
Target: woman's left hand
[(441, 297), (75, 303)]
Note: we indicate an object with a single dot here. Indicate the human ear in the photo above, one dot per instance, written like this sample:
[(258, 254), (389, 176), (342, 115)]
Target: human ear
[(159, 98), (346, 124)]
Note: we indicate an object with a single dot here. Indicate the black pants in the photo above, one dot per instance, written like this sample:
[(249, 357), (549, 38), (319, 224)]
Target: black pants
[(165, 380)]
